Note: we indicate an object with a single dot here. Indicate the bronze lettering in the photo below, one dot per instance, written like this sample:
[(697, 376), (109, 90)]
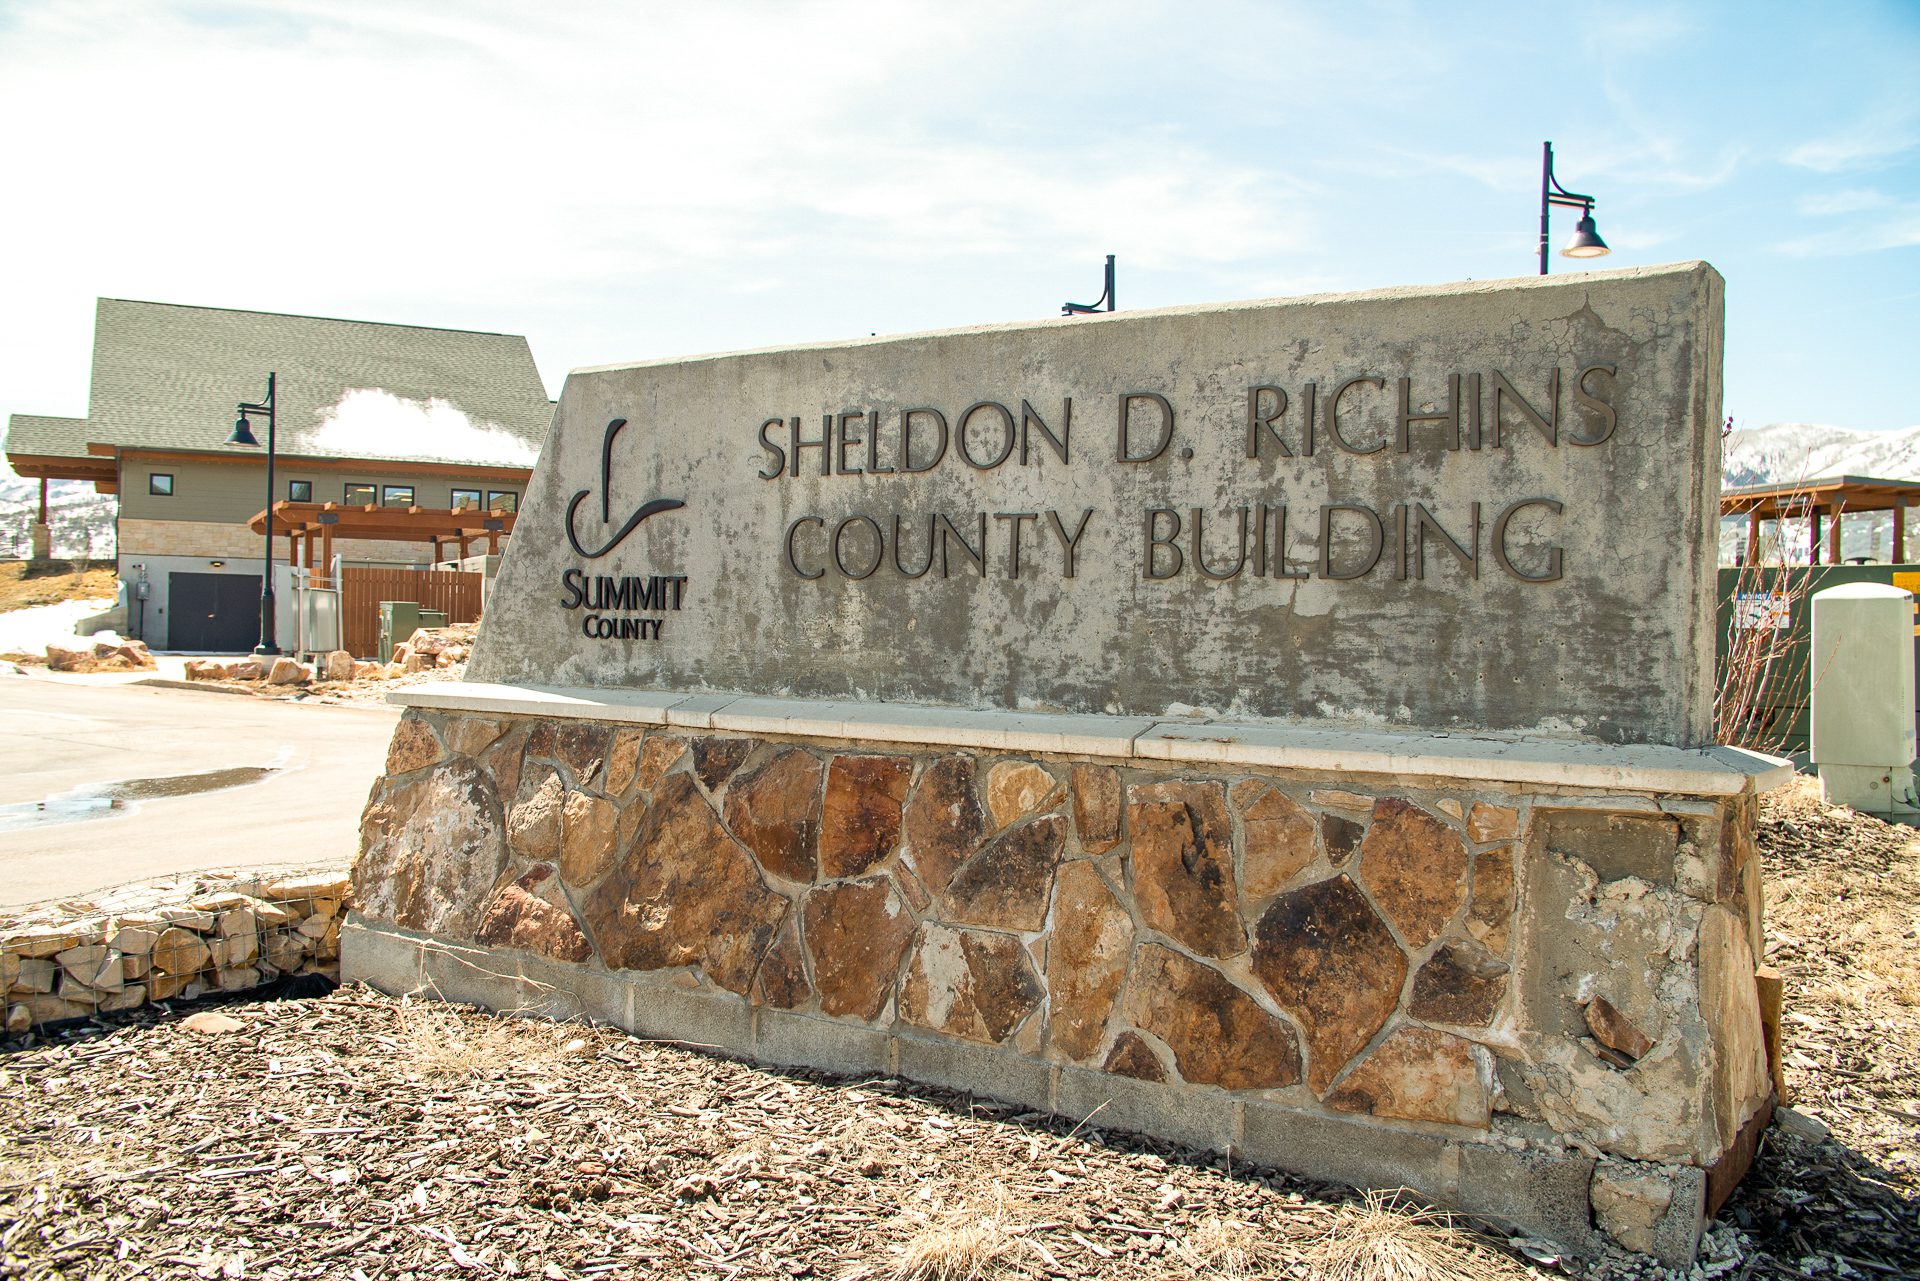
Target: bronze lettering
[(898, 542), (1500, 555), (1013, 520), (1405, 419), (1400, 542), (855, 416), (1547, 424), (1333, 414), (792, 563), (1473, 411), (824, 445), (1056, 443), (873, 446), (1468, 556), (1307, 420), (977, 555), (965, 420), (1257, 419), (779, 463), (1070, 546), (1260, 542), (1280, 548), (1123, 450), (1594, 405), (906, 440), (1155, 542), (1199, 551), (879, 546), (1376, 538)]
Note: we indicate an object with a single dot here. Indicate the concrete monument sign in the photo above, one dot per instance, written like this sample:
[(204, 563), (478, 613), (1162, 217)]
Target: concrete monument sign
[(1476, 507), (1073, 713)]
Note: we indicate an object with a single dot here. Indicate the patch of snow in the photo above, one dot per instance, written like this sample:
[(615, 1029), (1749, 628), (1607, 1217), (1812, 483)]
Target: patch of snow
[(367, 422), (29, 631)]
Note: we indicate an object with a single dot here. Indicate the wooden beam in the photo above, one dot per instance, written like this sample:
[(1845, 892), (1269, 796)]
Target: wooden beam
[(1753, 536), (1900, 532), (1833, 535), (1813, 536)]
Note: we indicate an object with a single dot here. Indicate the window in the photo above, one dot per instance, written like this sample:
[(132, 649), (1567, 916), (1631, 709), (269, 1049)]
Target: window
[(300, 491), (468, 498), (161, 483), (396, 496), (504, 500), (358, 495)]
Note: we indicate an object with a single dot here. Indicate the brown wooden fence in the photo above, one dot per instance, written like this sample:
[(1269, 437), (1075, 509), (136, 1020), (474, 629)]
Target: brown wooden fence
[(456, 593)]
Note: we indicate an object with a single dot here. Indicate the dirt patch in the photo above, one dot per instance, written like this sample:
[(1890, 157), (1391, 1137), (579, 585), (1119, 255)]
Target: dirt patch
[(23, 589)]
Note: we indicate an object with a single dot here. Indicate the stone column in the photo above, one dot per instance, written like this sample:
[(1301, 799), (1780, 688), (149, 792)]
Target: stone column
[(41, 535)]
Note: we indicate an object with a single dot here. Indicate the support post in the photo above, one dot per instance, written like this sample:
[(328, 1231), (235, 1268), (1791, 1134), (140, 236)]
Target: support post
[(1900, 532), (1833, 537), (1753, 535)]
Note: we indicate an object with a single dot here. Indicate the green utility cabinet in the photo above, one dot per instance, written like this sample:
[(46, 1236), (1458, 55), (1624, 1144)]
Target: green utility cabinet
[(1787, 707), (399, 619)]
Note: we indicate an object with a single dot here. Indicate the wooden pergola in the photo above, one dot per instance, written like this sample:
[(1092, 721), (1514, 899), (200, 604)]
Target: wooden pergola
[(316, 525), (1821, 502)]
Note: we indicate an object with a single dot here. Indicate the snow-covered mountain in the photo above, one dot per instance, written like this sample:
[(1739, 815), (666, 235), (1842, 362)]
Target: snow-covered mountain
[(1786, 452), (82, 520)]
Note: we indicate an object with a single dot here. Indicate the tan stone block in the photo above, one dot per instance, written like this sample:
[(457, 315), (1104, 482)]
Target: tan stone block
[(587, 848), (1016, 789), (1416, 867), (1418, 1074), (1098, 807), (1183, 867), (861, 813), (1086, 961), (1492, 823)]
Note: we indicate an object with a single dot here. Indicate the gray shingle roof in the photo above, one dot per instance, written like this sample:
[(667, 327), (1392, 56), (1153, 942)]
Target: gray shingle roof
[(168, 377), (46, 437)]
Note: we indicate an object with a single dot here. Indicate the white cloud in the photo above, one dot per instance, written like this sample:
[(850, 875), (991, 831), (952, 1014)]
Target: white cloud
[(1829, 203), (1902, 232), (1882, 134), (370, 423)]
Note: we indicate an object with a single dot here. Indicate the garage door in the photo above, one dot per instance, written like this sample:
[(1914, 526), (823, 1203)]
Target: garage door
[(213, 613)]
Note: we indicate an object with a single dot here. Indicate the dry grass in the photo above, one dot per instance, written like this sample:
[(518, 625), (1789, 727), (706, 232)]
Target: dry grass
[(447, 1042), (21, 590), (976, 1234), (1387, 1237), (1225, 1248)]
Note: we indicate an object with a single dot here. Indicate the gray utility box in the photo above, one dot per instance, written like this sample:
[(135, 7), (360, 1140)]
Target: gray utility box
[(399, 619)]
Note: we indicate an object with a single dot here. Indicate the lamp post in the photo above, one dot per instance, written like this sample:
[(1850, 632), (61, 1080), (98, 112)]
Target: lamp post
[(1092, 308), (243, 436), (1586, 242)]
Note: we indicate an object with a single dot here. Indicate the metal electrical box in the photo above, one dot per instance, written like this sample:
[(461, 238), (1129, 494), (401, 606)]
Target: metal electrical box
[(1862, 724), (399, 619)]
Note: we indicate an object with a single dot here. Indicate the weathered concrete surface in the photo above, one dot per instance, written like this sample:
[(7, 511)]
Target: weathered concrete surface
[(1616, 649)]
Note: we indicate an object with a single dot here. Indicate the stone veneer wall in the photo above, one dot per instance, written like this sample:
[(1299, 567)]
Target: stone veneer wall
[(1533, 1004)]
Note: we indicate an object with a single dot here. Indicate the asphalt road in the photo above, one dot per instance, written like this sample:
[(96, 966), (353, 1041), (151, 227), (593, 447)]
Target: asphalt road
[(58, 736)]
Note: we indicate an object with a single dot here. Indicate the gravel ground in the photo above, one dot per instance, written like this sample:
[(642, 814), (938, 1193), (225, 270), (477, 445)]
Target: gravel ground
[(362, 1136)]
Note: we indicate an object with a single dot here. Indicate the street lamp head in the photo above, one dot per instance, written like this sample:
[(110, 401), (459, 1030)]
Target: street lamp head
[(243, 434), (1586, 242)]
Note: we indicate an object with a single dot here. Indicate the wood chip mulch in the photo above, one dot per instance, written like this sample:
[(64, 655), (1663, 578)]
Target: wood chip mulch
[(1843, 927), (360, 1136)]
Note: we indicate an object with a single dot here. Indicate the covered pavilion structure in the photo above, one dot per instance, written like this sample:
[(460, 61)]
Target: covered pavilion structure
[(1821, 503), (310, 528)]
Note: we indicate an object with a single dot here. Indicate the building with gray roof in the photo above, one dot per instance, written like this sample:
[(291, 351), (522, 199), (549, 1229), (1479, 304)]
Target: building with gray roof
[(398, 416)]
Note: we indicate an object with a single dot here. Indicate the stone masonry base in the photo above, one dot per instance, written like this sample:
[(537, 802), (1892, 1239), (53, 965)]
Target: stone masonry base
[(1530, 998)]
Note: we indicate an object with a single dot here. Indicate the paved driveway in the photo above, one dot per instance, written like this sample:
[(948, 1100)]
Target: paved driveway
[(63, 739)]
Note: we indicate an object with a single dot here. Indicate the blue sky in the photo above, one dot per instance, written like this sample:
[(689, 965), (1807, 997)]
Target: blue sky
[(629, 181)]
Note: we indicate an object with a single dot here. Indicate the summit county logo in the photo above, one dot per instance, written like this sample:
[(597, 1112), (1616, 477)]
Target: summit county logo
[(614, 600)]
